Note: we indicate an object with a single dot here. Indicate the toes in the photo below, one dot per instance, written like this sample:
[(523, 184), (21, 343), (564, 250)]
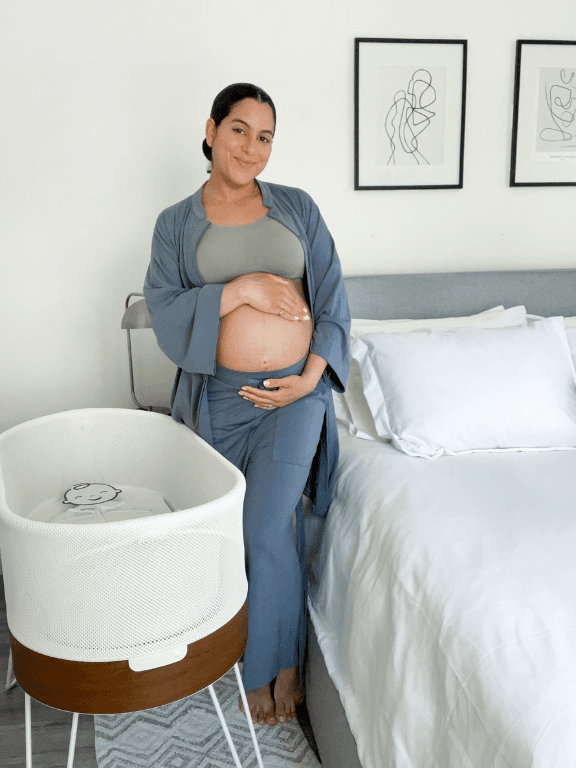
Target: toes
[(286, 710), (253, 712), (263, 717), (256, 715), (271, 719), (261, 710)]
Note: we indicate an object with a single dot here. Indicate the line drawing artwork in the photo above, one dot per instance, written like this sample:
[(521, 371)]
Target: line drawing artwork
[(409, 108), (557, 113), (409, 117)]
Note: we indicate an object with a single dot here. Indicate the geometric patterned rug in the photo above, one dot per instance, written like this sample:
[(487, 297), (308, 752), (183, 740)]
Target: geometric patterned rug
[(188, 734)]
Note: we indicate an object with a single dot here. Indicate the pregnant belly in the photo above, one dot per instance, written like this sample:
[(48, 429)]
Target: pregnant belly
[(251, 340)]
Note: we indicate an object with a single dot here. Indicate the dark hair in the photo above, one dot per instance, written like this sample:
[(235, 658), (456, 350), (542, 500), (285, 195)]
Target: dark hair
[(226, 99)]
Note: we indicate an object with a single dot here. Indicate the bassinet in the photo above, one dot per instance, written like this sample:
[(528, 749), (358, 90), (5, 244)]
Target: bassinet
[(138, 590)]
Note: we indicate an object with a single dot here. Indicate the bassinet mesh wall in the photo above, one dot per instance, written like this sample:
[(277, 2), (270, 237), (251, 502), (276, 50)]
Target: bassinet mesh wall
[(128, 589)]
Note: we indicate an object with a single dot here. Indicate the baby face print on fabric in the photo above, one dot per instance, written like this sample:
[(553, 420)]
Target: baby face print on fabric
[(86, 494)]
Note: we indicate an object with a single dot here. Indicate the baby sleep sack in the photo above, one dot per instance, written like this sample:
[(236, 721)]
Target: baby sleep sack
[(100, 503)]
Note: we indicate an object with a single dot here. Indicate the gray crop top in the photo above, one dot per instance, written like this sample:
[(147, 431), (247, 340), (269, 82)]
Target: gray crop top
[(265, 245)]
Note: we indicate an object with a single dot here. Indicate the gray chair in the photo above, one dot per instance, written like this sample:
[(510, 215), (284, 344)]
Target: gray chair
[(137, 317)]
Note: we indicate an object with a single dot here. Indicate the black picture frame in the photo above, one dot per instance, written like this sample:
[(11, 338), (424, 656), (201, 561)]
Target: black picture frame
[(387, 146), (544, 89)]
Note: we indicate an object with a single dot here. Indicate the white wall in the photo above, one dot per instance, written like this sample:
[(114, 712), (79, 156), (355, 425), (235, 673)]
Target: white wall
[(103, 118)]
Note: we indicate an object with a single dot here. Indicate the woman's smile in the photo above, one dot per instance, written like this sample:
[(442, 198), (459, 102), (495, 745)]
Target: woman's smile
[(248, 129)]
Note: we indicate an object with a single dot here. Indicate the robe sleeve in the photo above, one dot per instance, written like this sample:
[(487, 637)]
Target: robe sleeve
[(331, 312), (185, 318)]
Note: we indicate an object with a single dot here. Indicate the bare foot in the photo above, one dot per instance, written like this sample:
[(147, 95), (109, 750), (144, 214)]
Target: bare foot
[(287, 694), (261, 706)]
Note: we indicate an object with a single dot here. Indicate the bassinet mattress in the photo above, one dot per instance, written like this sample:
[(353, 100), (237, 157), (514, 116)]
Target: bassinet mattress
[(444, 601), (127, 504)]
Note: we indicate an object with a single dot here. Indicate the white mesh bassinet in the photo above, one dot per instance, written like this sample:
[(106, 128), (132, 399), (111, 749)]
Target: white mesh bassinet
[(138, 590)]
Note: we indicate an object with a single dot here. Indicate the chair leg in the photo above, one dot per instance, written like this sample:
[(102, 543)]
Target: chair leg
[(28, 728), (10, 679), (216, 703), (72, 740), (247, 713)]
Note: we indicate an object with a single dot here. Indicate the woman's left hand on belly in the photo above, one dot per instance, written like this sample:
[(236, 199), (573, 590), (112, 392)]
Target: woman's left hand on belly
[(290, 388)]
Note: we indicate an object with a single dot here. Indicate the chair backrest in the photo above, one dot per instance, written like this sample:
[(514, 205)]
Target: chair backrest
[(151, 373), (136, 315)]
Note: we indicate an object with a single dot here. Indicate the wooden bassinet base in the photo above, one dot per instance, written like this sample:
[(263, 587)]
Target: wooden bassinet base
[(95, 688)]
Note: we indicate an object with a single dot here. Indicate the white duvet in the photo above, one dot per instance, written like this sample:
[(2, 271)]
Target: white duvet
[(444, 600)]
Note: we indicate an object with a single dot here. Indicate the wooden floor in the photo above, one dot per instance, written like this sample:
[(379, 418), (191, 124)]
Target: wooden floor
[(51, 727)]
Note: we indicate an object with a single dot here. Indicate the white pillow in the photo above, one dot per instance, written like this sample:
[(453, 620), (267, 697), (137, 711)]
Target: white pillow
[(571, 336), (341, 408), (351, 406), (498, 317), (460, 390), (569, 324)]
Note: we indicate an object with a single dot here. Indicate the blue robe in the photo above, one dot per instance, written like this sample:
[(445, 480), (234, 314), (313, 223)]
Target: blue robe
[(185, 315)]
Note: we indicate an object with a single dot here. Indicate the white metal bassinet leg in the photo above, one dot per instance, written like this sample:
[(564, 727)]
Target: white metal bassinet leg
[(247, 712), (28, 727), (72, 747), (237, 762)]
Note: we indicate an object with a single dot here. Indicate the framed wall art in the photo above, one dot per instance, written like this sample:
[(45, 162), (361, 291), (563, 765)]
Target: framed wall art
[(410, 104), (544, 119)]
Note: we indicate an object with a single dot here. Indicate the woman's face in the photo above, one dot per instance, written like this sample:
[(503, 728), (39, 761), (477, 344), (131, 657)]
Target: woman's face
[(242, 143)]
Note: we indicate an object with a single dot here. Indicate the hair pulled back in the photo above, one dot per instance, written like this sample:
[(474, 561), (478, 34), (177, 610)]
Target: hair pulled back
[(230, 96)]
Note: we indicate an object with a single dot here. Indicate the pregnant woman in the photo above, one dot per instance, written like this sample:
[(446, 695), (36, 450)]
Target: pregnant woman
[(246, 297)]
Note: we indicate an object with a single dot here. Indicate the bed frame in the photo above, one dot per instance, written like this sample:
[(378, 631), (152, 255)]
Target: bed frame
[(382, 297)]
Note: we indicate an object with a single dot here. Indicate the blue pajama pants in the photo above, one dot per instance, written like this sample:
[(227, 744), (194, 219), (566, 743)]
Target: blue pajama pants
[(274, 450)]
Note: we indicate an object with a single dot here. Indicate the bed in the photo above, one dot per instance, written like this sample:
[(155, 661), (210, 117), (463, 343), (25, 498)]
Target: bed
[(442, 608)]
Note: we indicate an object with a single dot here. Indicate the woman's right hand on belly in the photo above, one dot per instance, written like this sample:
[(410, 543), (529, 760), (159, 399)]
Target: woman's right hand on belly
[(272, 294)]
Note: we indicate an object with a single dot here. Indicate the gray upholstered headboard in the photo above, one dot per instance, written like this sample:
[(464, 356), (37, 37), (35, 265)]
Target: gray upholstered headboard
[(381, 297)]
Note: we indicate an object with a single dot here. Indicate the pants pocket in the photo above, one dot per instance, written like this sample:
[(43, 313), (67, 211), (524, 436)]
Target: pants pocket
[(298, 428)]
